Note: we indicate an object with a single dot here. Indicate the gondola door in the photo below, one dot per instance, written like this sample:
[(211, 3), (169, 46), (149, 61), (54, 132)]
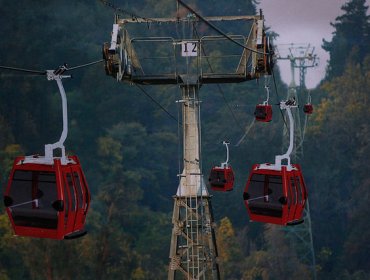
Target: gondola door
[(82, 195), (71, 197), (292, 198), (301, 195), (34, 201)]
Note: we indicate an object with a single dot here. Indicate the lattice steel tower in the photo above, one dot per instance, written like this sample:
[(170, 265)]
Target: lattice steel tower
[(301, 57), (149, 59)]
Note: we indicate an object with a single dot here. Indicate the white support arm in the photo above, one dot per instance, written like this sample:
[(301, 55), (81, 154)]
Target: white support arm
[(49, 148), (268, 95), (284, 105), (226, 163), (113, 43), (287, 154)]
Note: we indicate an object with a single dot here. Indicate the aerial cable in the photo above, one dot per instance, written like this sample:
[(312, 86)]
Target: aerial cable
[(305, 125), (84, 65), (278, 97), (229, 108), (246, 132), (218, 85), (125, 12), (214, 27), (157, 103), (60, 70), (23, 70)]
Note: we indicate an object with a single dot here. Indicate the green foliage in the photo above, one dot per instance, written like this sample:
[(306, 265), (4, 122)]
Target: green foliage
[(229, 252), (130, 151), (351, 37)]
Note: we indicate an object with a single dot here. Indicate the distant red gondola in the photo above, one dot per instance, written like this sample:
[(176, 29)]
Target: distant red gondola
[(263, 112), (47, 196), (308, 108), (221, 178), (276, 193), (47, 201)]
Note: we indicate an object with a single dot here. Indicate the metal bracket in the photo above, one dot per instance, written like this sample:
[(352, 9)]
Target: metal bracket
[(284, 105), (226, 163), (57, 76)]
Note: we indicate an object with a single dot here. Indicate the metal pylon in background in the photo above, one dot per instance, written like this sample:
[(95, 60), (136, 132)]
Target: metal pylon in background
[(301, 57), (300, 237), (193, 252)]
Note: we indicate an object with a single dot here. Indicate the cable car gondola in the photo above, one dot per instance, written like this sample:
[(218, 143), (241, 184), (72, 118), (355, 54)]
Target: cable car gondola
[(263, 112), (221, 178), (308, 108), (276, 193), (47, 200), (47, 196)]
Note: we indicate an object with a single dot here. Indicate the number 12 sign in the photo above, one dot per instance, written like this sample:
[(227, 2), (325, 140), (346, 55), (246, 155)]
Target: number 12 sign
[(189, 48)]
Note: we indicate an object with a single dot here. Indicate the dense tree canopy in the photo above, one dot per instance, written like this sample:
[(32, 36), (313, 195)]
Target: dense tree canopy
[(130, 150), (351, 37)]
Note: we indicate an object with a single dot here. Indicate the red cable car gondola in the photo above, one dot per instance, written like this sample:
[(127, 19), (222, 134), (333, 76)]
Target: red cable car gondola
[(275, 196), (276, 193), (47, 201), (47, 196), (221, 178), (263, 112), (308, 108)]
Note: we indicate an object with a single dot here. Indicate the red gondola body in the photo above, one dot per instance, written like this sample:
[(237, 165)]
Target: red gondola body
[(263, 113), (308, 108), (277, 197), (221, 179), (47, 200)]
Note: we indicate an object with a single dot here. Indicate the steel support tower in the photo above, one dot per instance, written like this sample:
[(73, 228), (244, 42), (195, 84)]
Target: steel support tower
[(148, 59), (193, 251), (301, 57)]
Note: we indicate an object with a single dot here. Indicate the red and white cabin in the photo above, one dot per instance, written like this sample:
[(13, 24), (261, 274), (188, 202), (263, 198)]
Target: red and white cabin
[(275, 196), (47, 200), (221, 179), (263, 113), (276, 193), (308, 108)]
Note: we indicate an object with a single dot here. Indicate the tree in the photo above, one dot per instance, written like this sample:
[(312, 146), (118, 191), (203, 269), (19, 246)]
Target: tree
[(351, 37), (229, 251), (339, 134)]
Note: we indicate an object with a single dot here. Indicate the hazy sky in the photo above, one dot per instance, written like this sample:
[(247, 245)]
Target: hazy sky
[(303, 22)]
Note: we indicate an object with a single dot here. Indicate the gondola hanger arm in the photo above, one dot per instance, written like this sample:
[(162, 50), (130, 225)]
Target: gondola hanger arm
[(285, 105), (56, 75), (226, 163), (266, 102)]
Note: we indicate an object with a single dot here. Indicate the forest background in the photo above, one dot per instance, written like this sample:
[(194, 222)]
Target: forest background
[(130, 158)]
